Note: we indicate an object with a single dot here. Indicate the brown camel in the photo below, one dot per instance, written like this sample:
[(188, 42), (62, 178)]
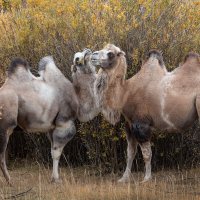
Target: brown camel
[(153, 98), (37, 104)]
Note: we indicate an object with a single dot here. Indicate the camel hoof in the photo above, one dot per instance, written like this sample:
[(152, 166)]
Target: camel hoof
[(123, 180), (146, 179), (10, 183), (56, 180)]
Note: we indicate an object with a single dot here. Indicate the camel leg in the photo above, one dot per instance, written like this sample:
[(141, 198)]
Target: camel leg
[(131, 152), (4, 137), (147, 154), (61, 135)]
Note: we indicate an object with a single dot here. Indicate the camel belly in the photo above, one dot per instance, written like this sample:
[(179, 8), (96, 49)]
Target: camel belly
[(37, 110), (33, 122), (178, 112)]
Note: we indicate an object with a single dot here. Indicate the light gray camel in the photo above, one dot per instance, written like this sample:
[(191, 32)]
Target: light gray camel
[(153, 98), (37, 106), (48, 103)]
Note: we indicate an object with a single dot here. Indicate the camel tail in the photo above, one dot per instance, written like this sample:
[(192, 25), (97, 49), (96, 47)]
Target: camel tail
[(44, 62), (156, 54), (141, 132)]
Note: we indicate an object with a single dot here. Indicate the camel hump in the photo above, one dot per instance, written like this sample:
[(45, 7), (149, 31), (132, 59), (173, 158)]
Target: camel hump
[(16, 63), (44, 62), (156, 54), (192, 56)]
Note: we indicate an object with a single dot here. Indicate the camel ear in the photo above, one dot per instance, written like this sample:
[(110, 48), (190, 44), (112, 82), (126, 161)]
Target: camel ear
[(121, 53)]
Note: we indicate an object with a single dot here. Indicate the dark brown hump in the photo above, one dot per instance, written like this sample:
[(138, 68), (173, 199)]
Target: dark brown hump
[(192, 55), (15, 63), (156, 54)]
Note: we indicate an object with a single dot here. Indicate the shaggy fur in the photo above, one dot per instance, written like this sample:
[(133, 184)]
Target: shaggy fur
[(109, 85), (84, 76), (101, 84)]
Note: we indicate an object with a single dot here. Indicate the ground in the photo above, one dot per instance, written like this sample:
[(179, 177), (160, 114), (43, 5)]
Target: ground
[(32, 181)]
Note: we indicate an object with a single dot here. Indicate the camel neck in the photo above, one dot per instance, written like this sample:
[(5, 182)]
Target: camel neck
[(110, 85)]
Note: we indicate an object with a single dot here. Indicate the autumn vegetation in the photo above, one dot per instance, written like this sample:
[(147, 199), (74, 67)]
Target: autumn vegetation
[(35, 28)]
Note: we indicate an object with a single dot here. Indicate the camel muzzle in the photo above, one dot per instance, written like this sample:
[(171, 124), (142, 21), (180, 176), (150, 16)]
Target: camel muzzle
[(95, 59)]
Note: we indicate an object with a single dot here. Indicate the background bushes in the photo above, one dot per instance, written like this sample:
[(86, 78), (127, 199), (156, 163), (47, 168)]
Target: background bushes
[(35, 28)]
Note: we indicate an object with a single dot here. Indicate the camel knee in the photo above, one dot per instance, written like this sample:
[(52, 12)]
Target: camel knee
[(146, 151), (64, 133), (130, 151), (147, 156), (56, 153), (132, 148), (2, 162)]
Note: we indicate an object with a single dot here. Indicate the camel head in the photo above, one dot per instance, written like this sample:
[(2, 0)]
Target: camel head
[(107, 58), (82, 63)]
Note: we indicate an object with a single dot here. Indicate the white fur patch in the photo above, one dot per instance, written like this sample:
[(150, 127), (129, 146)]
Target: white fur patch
[(165, 116)]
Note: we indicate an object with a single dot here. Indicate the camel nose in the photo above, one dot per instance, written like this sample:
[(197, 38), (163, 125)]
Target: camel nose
[(95, 58)]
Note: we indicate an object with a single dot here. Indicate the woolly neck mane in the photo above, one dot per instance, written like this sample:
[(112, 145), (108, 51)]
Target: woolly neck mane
[(108, 90)]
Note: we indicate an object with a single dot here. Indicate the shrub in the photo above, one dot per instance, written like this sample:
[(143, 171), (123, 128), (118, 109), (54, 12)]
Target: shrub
[(35, 28)]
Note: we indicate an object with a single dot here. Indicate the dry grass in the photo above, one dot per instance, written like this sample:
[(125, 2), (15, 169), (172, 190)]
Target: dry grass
[(82, 183)]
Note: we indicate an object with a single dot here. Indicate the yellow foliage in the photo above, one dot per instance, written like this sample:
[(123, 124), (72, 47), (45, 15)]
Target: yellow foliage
[(63, 27)]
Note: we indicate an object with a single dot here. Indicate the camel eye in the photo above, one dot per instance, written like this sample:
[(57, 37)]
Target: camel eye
[(111, 55)]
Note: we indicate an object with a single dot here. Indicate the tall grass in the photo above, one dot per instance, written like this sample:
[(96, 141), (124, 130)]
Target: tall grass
[(32, 182)]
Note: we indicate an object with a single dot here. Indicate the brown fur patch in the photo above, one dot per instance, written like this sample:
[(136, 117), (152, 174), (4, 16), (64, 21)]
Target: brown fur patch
[(15, 63)]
